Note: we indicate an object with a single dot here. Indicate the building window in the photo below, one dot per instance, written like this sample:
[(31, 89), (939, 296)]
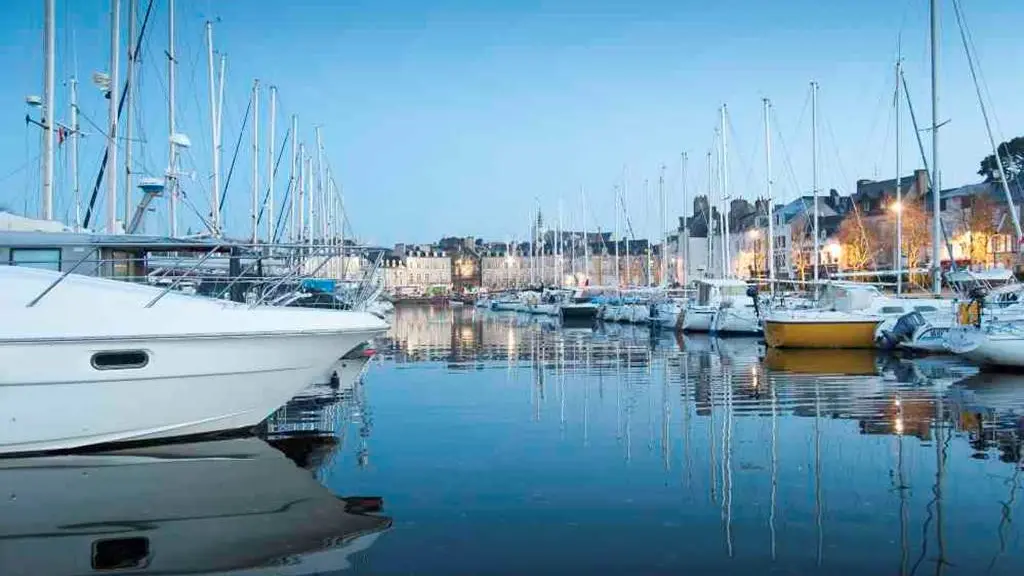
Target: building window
[(42, 258)]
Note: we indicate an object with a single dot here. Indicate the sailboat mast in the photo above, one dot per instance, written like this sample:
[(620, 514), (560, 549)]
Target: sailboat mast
[(49, 41), (215, 139), (726, 271), (269, 212), (76, 190), (770, 240), (299, 208), (664, 228), (936, 174), (171, 188), (316, 206), (129, 118), (617, 274), (255, 159), (814, 178), (115, 47), (685, 236), (898, 252), (293, 181), (707, 216)]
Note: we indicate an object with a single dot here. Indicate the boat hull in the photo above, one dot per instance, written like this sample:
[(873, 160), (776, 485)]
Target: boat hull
[(736, 321), (821, 334), (987, 349), (52, 399), (698, 319), (579, 312)]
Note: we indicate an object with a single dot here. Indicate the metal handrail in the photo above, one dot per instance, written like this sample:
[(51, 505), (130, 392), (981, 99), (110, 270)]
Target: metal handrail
[(287, 277), (178, 280), (61, 278)]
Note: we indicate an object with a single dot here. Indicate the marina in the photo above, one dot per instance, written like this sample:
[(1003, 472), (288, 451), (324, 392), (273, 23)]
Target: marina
[(510, 289)]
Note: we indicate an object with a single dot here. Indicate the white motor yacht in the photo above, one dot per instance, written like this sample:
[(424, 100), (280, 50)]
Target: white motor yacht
[(228, 506), (94, 361)]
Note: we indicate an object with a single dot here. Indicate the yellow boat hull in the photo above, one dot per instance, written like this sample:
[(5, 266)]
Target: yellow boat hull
[(824, 334)]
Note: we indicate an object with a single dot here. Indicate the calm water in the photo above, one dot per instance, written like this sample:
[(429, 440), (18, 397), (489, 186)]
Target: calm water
[(504, 444)]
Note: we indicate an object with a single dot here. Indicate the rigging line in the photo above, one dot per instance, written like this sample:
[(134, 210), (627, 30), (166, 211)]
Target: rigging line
[(972, 53), (120, 108), (277, 164), (750, 164), (234, 157), (17, 170), (785, 153)]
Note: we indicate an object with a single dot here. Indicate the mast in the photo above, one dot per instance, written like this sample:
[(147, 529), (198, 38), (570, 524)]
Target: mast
[(172, 151), (664, 228), (814, 178), (74, 154), (586, 240), (898, 252), (214, 132), (559, 268), (707, 217), (316, 215), (115, 46), (293, 180), (269, 213), (129, 120), (937, 175), (685, 236), (629, 228), (724, 215), (310, 225), (299, 209), (255, 159), (617, 274), (49, 41), (770, 241)]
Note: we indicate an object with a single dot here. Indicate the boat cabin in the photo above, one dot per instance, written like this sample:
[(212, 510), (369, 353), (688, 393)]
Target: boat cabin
[(713, 291)]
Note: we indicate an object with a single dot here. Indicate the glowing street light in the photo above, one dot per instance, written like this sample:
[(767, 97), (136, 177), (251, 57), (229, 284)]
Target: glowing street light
[(896, 207)]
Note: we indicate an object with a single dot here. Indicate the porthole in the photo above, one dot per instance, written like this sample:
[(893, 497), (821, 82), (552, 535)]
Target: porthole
[(120, 359)]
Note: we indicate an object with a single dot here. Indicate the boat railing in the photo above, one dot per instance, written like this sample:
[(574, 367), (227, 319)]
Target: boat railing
[(61, 278), (225, 270)]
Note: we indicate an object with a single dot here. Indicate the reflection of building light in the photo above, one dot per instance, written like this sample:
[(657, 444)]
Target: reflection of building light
[(899, 425), (835, 250), (753, 234)]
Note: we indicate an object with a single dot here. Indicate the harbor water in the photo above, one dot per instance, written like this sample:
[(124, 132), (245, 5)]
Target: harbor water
[(506, 444), (479, 442)]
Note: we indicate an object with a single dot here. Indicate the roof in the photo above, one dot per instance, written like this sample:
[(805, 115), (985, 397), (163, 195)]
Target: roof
[(13, 222), (23, 239), (805, 203)]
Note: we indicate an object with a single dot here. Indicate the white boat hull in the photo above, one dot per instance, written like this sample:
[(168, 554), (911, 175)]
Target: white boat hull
[(638, 313), (736, 321), (699, 319), (986, 348), (51, 398)]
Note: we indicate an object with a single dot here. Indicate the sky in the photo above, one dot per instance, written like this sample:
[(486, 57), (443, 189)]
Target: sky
[(457, 117)]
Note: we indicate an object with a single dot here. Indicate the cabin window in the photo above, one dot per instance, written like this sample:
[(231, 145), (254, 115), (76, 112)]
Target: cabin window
[(926, 308), (892, 310), (42, 258), (120, 554), (120, 359)]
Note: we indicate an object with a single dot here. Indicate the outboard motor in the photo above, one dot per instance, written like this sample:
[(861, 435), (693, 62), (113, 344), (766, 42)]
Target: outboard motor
[(752, 292), (902, 331), (977, 295)]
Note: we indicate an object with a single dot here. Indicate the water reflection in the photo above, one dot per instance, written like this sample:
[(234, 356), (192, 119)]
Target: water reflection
[(238, 506), (622, 450)]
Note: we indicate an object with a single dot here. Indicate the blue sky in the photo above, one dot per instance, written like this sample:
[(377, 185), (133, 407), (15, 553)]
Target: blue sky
[(458, 117)]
